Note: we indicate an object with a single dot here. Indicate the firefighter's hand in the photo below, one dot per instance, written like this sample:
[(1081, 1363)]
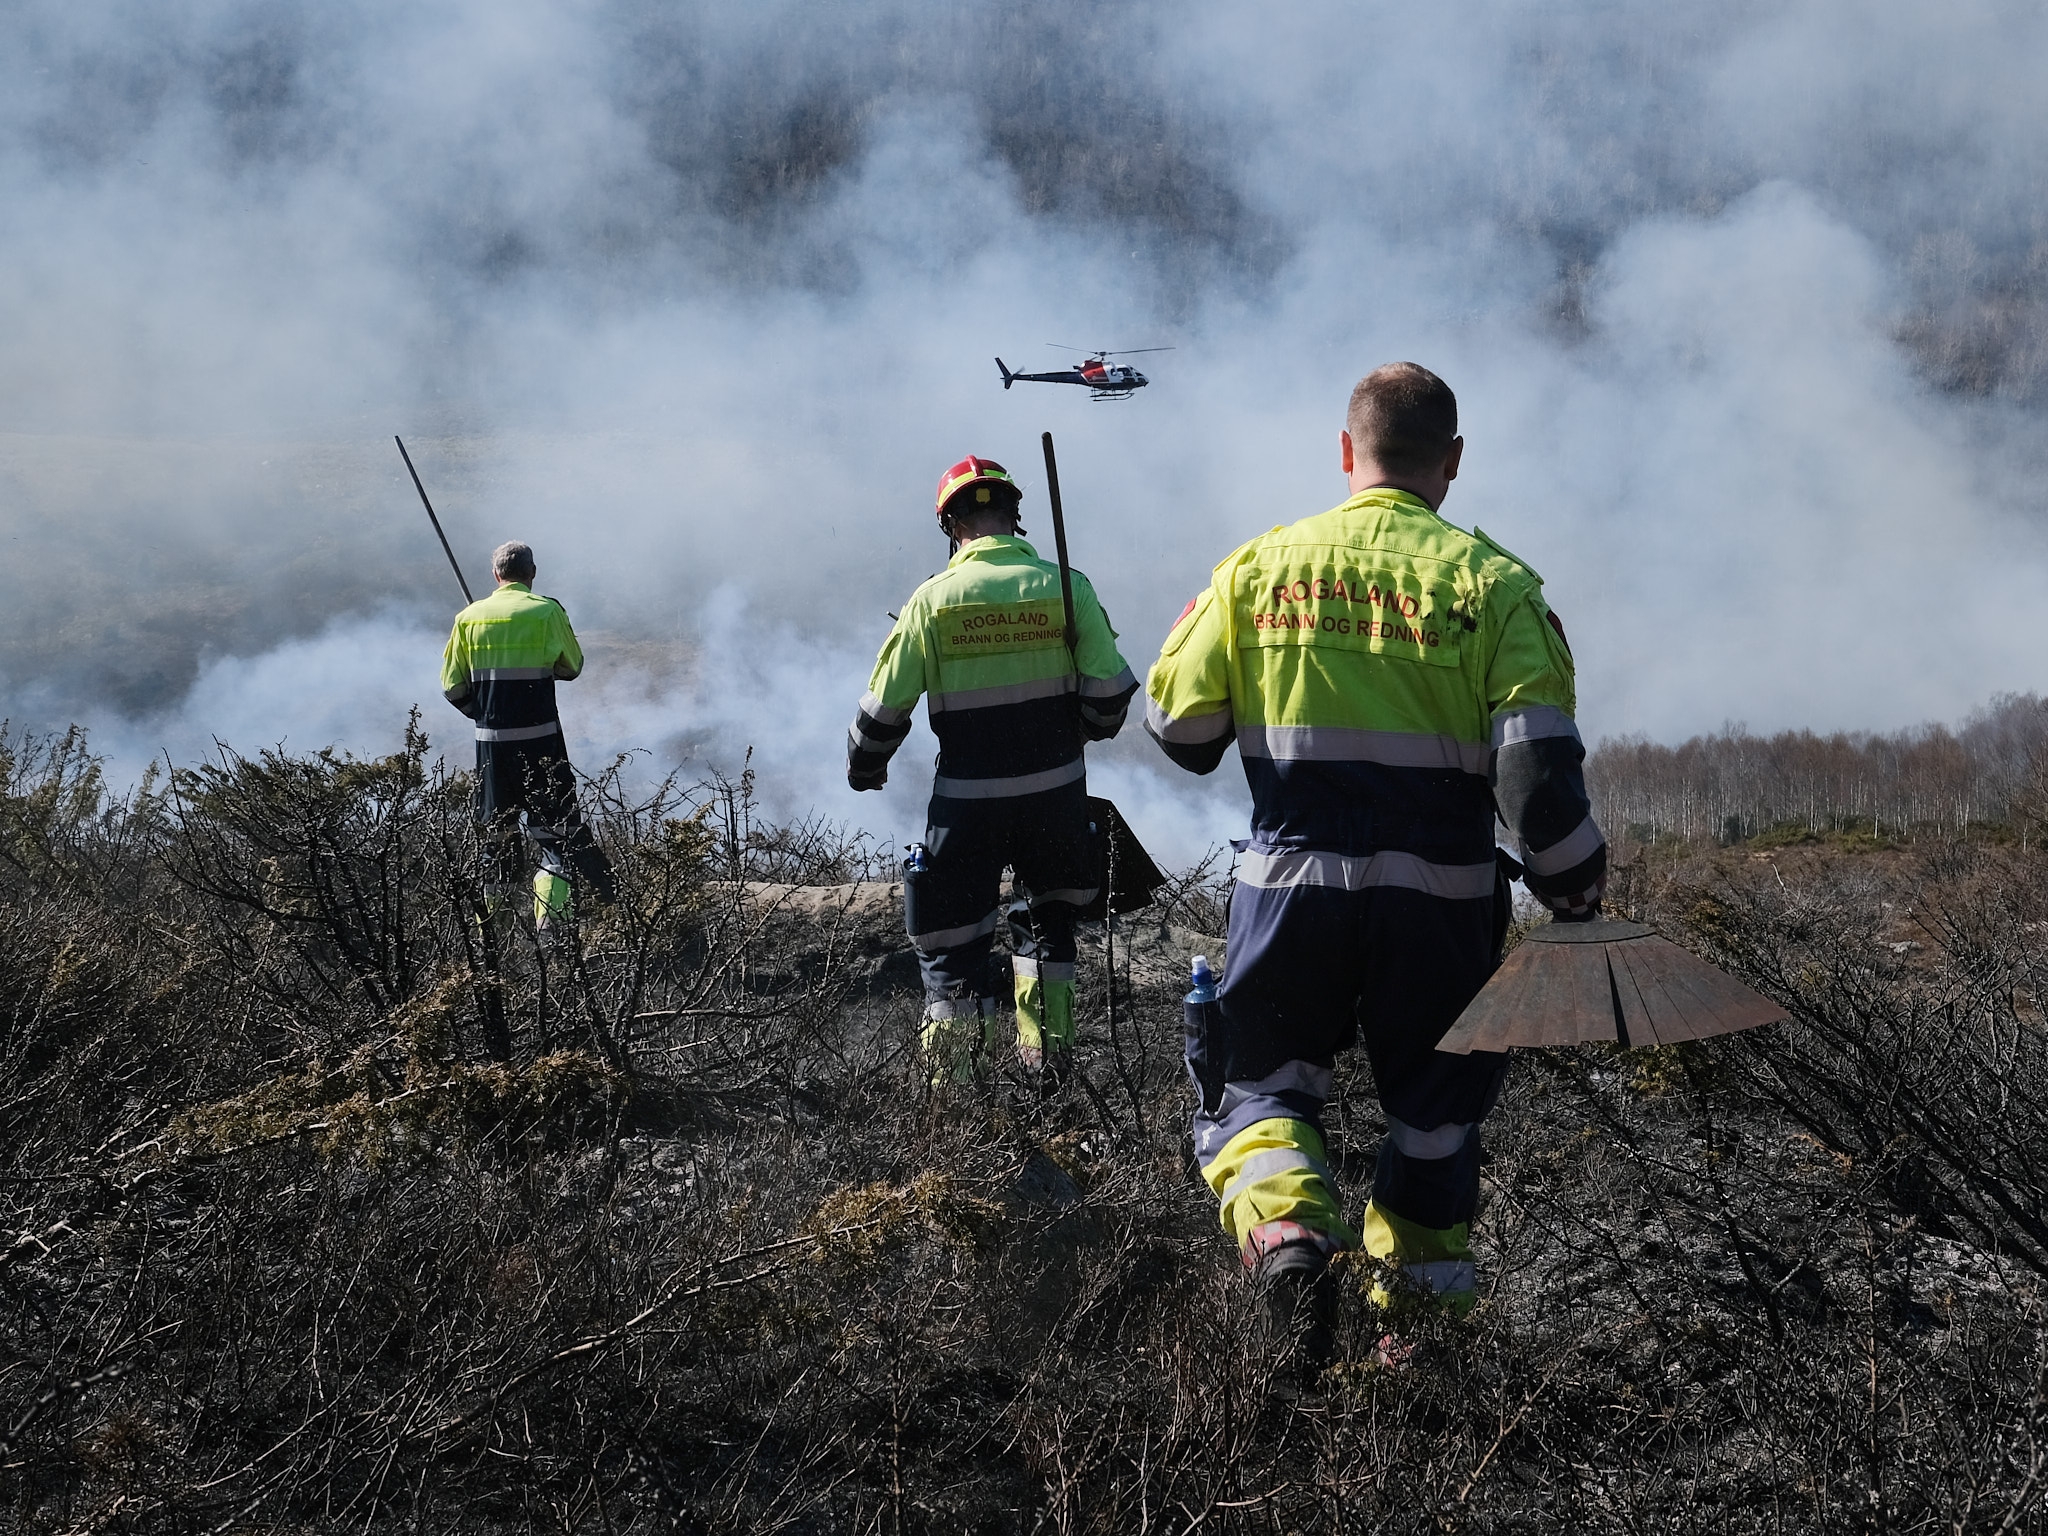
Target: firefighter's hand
[(1581, 908), (873, 780)]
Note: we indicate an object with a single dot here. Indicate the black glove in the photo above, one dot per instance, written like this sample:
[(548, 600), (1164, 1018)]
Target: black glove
[(873, 780)]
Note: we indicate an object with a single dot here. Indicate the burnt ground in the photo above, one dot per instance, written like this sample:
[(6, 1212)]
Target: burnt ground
[(285, 1252)]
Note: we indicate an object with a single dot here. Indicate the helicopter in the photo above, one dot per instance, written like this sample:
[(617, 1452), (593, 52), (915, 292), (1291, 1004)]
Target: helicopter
[(1104, 380)]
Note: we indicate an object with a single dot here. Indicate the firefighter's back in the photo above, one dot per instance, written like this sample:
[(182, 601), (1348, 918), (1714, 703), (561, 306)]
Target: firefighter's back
[(999, 680), (511, 647), (1359, 646)]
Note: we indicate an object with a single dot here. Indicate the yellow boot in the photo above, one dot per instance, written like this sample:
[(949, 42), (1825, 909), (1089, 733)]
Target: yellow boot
[(957, 1035), (1436, 1261), (1045, 1012)]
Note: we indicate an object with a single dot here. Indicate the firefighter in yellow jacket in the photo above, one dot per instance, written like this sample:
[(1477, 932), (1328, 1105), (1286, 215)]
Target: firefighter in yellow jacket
[(503, 659), (984, 644), (1392, 683)]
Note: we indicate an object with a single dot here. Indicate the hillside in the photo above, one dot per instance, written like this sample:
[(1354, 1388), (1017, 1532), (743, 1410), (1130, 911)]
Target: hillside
[(285, 1253)]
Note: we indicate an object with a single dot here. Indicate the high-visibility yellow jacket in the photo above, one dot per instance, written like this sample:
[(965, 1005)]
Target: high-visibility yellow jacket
[(984, 642), (1391, 681), (502, 659)]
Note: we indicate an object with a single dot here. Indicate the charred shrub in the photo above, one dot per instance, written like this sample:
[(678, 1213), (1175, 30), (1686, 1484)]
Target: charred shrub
[(285, 1249)]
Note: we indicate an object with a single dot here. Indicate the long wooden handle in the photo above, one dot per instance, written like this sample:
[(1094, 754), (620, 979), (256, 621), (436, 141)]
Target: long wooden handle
[(1059, 542)]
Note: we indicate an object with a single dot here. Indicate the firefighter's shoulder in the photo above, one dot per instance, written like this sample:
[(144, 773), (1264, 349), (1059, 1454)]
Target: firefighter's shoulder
[(930, 595), (1492, 550), (1081, 583), (931, 592), (1223, 575), (1224, 571)]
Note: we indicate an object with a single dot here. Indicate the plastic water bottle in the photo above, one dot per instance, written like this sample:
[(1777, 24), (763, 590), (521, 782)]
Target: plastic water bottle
[(918, 860), (1199, 1016)]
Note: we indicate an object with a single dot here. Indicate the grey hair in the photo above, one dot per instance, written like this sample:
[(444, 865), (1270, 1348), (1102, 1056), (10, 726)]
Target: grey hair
[(512, 561)]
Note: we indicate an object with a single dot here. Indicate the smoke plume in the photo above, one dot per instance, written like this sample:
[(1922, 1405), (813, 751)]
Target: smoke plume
[(1746, 306)]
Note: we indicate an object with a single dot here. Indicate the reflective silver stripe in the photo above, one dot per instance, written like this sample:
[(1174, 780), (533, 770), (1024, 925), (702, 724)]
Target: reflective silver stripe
[(1022, 784), (1044, 970), (1300, 1076), (1444, 1141), (1293, 1077), (941, 1009), (1281, 869), (1107, 715), (880, 713), (867, 743), (1263, 1165), (1445, 1276), (1194, 728), (1108, 687), (1536, 723), (1213, 1132), (1077, 898), (946, 938), (1345, 744), (1575, 847), (1575, 903), (518, 732), (1005, 693), (512, 674)]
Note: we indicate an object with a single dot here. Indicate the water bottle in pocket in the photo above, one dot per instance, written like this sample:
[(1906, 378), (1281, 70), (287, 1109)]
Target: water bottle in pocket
[(1200, 1018)]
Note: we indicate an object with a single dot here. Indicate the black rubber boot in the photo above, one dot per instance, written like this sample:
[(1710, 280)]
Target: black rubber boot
[(596, 869), (1301, 1306), (1054, 1068)]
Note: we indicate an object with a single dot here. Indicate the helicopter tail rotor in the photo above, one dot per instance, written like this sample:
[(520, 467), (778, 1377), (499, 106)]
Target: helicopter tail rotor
[(1009, 378)]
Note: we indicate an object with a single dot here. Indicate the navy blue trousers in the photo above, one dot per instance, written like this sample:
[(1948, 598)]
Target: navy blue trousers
[(1315, 969), (953, 908)]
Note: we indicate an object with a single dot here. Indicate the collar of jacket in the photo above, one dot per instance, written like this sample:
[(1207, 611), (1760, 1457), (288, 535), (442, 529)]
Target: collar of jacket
[(1393, 498), (997, 546), (513, 586)]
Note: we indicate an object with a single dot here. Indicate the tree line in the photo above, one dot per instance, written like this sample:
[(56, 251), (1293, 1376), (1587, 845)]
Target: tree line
[(1927, 780)]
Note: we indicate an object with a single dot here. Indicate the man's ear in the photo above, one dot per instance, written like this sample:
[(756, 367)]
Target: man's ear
[(1451, 459), (1344, 438)]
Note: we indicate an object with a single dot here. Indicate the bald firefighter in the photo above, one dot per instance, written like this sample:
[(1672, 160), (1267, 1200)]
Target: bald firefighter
[(1393, 683), (984, 643), (503, 659)]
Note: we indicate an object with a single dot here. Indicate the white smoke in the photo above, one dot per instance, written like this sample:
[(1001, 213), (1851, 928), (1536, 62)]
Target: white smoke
[(1745, 308)]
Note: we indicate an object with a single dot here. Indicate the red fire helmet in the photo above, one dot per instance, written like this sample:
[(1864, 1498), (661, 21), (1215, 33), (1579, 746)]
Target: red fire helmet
[(975, 472)]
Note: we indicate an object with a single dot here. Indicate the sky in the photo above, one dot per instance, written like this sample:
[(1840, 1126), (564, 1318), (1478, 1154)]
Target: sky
[(1746, 307)]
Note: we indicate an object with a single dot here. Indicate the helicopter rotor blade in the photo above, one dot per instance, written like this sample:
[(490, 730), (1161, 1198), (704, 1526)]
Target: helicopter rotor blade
[(1109, 351)]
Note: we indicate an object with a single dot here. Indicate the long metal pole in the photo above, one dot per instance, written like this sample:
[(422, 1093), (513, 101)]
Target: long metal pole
[(1059, 543), (451, 553)]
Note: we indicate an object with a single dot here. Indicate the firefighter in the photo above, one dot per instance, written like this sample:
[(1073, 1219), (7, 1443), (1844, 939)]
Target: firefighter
[(985, 643), (500, 667), (1392, 683)]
